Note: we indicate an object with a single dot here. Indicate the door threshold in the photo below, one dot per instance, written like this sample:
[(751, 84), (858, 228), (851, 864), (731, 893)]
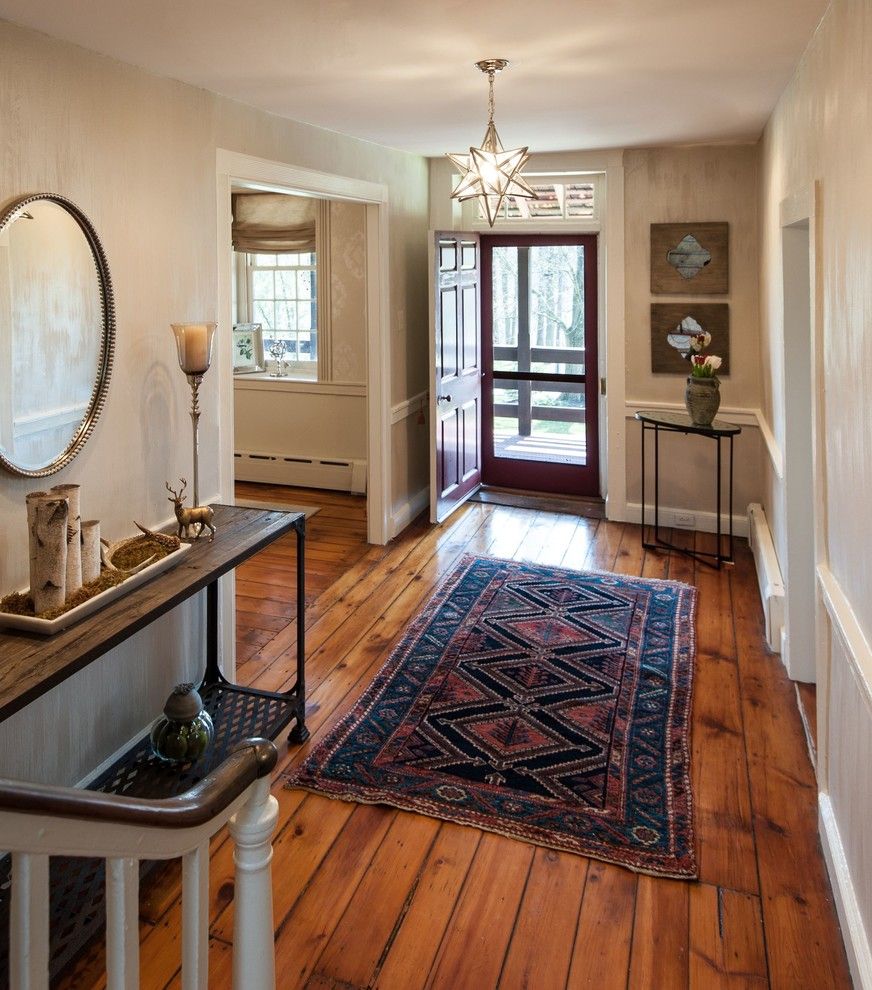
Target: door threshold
[(591, 508)]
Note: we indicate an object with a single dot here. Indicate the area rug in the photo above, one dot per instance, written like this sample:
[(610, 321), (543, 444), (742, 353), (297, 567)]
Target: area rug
[(541, 703)]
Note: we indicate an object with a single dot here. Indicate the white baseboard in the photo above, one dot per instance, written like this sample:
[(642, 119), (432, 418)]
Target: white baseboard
[(705, 522), (854, 933), (335, 473), (405, 513)]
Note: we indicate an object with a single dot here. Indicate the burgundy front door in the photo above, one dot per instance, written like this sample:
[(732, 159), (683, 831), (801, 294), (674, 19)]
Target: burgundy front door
[(456, 378), (540, 427)]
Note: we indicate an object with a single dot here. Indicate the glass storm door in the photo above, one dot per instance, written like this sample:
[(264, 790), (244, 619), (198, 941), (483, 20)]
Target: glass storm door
[(539, 336)]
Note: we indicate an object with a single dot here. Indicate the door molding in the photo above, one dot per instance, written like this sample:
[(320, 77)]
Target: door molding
[(271, 176), (796, 210)]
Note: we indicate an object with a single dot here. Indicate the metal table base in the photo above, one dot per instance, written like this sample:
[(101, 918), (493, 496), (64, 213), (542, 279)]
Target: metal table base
[(673, 422)]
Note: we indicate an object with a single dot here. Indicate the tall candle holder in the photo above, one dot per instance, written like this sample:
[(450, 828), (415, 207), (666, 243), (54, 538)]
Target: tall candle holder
[(194, 344)]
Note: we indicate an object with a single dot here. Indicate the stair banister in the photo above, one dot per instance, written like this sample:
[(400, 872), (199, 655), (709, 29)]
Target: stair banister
[(38, 821)]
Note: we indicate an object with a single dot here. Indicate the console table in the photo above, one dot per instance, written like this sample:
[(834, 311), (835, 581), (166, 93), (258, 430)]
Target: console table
[(658, 421), (31, 665)]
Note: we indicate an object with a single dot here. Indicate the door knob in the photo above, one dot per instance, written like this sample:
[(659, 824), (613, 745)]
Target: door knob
[(443, 398)]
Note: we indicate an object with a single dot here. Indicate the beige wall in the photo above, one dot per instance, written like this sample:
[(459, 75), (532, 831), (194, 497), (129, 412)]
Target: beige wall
[(822, 130), (671, 185), (138, 154), (348, 292)]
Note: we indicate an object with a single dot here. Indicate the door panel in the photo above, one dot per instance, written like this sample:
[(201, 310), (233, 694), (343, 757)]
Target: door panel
[(456, 408), (539, 335)]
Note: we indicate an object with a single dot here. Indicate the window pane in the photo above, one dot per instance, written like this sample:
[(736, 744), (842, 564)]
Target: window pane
[(579, 199), (505, 308), (264, 313), (286, 315), (263, 284), (557, 304), (304, 316), (547, 202), (305, 285), (263, 259), (285, 285)]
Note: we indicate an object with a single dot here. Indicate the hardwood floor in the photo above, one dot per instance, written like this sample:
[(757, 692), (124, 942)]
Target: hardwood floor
[(368, 896)]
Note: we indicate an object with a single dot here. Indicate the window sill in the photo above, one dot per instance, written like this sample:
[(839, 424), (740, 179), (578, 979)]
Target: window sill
[(264, 383)]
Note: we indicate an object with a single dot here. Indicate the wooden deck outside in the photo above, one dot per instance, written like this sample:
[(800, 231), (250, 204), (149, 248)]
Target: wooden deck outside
[(373, 897), (554, 448)]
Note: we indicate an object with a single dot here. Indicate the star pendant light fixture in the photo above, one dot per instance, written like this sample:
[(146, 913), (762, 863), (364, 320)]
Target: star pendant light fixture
[(490, 173)]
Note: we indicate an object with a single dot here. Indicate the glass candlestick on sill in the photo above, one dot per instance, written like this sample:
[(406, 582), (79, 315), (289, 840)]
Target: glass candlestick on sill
[(277, 349)]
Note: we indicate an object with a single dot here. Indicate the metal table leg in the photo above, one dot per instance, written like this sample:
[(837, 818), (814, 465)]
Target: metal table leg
[(300, 733)]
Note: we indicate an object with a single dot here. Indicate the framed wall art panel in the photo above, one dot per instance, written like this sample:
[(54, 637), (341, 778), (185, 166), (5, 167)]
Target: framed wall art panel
[(691, 259), (671, 322)]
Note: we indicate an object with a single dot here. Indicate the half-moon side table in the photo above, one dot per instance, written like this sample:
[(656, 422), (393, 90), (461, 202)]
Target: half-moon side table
[(655, 420)]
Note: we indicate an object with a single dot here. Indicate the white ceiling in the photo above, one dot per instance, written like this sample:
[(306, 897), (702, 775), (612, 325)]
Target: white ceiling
[(584, 73)]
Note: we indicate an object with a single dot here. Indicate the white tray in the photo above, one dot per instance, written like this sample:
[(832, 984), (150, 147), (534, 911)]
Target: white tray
[(47, 627)]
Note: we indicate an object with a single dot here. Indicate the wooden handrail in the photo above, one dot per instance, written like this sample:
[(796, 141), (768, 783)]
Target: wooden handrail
[(249, 761)]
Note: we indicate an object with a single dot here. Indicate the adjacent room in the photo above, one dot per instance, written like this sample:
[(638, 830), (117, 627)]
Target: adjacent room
[(434, 448)]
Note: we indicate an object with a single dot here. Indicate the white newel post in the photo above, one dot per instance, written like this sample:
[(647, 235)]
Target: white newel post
[(253, 944), (122, 923), (28, 949)]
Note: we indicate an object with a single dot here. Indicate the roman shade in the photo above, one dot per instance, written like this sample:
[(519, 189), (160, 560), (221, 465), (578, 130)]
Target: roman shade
[(266, 223)]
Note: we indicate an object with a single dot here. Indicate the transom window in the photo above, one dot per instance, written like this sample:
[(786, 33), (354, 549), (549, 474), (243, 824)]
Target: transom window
[(555, 200), (283, 298)]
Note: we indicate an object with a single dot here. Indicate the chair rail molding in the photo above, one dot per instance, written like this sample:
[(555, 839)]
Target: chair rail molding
[(410, 407)]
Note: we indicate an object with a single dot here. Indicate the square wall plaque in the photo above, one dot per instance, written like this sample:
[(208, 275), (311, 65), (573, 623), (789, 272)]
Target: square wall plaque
[(690, 259), (681, 319)]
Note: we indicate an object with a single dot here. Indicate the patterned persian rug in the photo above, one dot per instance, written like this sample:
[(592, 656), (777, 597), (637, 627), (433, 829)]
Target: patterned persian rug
[(541, 703)]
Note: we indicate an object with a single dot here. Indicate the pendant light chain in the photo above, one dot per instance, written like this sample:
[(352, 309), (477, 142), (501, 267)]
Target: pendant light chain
[(490, 98)]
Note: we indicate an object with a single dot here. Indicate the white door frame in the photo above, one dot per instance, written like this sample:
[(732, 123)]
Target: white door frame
[(280, 177), (799, 216)]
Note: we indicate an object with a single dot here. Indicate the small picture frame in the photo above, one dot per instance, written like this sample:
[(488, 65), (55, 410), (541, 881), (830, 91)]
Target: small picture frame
[(247, 348)]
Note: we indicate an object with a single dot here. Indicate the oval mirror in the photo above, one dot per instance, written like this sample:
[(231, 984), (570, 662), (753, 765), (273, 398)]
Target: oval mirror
[(57, 333)]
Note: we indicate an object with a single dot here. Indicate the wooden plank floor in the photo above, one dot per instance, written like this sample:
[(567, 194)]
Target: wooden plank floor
[(371, 897)]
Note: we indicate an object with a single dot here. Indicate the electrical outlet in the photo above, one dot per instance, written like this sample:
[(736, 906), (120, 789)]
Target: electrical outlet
[(684, 520)]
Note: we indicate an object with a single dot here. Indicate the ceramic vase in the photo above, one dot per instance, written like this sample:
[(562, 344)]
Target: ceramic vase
[(702, 398)]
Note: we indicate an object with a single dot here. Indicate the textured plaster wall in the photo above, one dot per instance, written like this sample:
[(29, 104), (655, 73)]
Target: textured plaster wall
[(137, 153), (672, 185), (821, 131)]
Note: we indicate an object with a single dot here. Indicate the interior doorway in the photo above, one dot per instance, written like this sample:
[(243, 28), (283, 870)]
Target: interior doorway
[(299, 340), (539, 329), (235, 170)]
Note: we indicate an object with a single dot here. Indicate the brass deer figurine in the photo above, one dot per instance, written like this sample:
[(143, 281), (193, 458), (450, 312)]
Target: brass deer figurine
[(197, 515)]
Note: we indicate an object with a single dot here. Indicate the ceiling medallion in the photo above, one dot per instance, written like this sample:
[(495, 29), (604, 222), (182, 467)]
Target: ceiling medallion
[(490, 173)]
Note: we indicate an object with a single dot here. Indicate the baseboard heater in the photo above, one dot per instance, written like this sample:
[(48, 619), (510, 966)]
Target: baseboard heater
[(335, 473), (768, 575)]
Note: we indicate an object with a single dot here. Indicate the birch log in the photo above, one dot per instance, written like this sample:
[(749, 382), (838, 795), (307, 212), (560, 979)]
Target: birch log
[(90, 550), (30, 500), (49, 589), (72, 494)]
